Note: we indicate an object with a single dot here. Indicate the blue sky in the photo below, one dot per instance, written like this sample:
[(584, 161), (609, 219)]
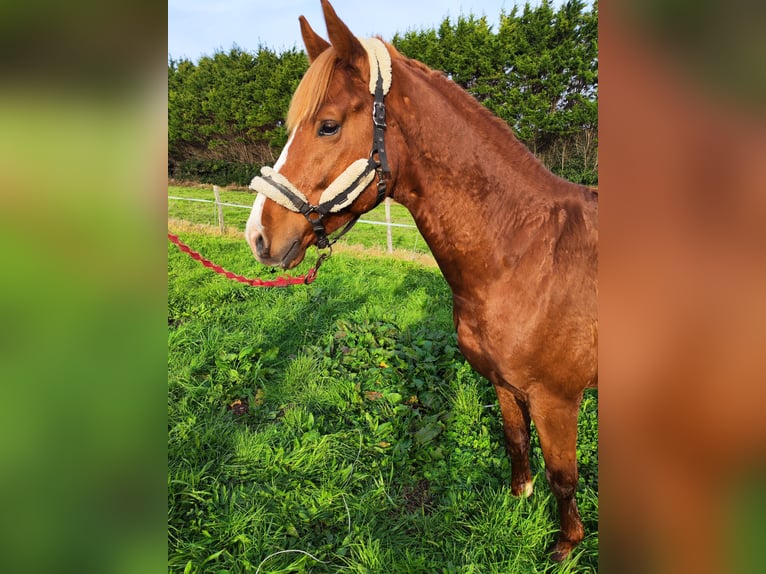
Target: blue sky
[(202, 27)]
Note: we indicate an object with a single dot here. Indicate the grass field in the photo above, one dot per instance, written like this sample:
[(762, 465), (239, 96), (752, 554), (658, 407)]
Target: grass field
[(336, 428)]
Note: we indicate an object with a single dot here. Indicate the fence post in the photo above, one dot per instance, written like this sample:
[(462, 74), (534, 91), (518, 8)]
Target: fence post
[(389, 239), (220, 208)]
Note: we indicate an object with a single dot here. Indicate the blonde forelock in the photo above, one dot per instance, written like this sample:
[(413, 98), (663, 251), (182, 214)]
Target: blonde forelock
[(312, 90)]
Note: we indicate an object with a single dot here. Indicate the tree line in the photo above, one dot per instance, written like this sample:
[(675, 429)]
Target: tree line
[(538, 71)]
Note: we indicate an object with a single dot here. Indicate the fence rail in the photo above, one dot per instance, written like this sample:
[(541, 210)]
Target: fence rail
[(388, 223), (209, 201)]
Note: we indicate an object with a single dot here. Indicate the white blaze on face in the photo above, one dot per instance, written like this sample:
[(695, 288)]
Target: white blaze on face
[(254, 221), (283, 156)]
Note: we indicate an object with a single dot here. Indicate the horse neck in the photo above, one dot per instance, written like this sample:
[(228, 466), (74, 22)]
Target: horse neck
[(473, 189)]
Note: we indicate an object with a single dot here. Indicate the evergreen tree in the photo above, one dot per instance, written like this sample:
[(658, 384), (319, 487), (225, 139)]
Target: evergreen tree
[(226, 113)]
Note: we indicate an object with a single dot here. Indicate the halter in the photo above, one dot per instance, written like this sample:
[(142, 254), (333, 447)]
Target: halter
[(350, 184)]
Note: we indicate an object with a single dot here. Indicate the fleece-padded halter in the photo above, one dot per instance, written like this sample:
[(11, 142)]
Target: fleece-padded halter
[(340, 194), (350, 184)]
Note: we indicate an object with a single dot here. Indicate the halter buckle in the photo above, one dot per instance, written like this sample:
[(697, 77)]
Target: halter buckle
[(379, 114)]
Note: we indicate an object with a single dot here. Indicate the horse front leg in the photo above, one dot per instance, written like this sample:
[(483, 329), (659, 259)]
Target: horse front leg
[(513, 408), (516, 429), (556, 422)]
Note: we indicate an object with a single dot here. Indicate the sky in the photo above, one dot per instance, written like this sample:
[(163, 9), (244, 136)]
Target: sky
[(203, 27)]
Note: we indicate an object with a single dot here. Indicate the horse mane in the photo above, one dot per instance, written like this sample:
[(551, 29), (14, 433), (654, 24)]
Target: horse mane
[(312, 90), (499, 133), (470, 105)]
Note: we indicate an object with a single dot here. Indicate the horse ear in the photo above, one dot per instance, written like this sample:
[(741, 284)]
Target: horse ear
[(314, 43), (349, 48)]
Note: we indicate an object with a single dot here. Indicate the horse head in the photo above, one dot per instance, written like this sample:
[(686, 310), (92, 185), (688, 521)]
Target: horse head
[(334, 167)]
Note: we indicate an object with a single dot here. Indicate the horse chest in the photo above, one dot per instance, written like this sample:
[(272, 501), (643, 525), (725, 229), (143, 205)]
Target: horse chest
[(477, 338)]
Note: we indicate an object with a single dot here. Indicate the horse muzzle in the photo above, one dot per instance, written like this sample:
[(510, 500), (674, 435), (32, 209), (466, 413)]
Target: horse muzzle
[(285, 256)]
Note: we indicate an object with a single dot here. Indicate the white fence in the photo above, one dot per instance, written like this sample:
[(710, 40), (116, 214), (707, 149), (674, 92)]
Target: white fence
[(220, 204)]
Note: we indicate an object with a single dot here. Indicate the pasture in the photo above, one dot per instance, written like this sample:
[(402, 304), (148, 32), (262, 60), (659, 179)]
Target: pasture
[(336, 427)]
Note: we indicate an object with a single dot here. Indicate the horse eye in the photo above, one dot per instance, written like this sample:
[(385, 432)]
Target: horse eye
[(329, 128)]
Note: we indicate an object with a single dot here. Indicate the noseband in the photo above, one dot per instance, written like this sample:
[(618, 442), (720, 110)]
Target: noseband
[(350, 184)]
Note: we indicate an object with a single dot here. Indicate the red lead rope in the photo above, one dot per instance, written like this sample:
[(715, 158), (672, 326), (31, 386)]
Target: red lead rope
[(253, 282)]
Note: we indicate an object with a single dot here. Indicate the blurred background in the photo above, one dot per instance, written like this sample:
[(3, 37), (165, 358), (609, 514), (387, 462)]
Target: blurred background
[(82, 296), (682, 284)]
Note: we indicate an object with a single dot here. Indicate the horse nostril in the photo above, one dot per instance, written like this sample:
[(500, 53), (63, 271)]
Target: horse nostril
[(259, 246)]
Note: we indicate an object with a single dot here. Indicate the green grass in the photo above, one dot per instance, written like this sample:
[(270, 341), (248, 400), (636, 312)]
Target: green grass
[(368, 444), (363, 234)]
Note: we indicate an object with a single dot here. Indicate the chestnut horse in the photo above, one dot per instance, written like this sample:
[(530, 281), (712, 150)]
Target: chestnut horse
[(517, 244)]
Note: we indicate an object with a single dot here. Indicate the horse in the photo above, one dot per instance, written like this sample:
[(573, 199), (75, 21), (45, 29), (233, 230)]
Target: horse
[(516, 244)]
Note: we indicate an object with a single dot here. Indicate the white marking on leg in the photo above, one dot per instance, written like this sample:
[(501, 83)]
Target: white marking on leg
[(527, 490)]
